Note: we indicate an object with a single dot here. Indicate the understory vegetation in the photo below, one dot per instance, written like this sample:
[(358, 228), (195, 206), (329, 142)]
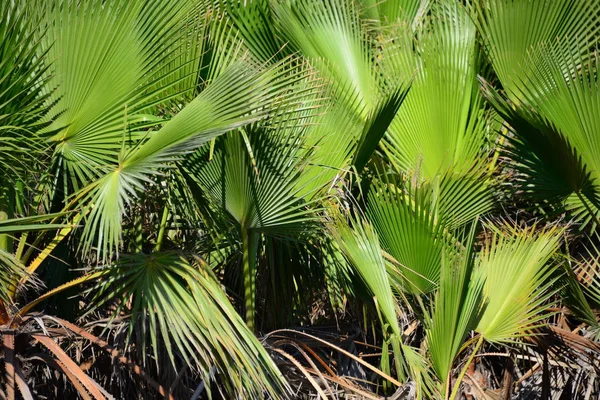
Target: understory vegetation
[(335, 199)]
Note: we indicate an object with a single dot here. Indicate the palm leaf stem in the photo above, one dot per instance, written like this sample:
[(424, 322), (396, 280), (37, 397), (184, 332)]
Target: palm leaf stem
[(249, 249), (162, 228), (465, 368), (5, 239)]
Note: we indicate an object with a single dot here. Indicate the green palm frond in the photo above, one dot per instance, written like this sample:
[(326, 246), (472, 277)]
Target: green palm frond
[(550, 79), (22, 106), (11, 272), (390, 11), (21, 101), (181, 305), (332, 142), (404, 220), (456, 308), (254, 22), (359, 243), (334, 38), (97, 65), (444, 122), (112, 63), (518, 277), (33, 223), (512, 29), (554, 148), (237, 97), (376, 125), (552, 169), (588, 273), (331, 35), (254, 178), (414, 222)]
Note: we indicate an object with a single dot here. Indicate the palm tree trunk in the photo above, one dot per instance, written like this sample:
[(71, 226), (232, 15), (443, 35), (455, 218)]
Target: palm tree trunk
[(249, 250)]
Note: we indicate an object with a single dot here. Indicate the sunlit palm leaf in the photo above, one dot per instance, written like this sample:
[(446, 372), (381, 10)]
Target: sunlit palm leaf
[(258, 188), (239, 96), (110, 61), (414, 222), (512, 29), (340, 45), (390, 11), (443, 123), (11, 272), (518, 272), (331, 34), (588, 273), (456, 308), (403, 218)]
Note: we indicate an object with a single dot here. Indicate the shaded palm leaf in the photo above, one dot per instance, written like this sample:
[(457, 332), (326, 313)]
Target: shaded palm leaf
[(21, 101), (550, 78), (183, 306), (253, 177), (360, 245)]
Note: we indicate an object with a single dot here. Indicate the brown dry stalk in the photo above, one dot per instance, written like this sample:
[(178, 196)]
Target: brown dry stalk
[(115, 353)]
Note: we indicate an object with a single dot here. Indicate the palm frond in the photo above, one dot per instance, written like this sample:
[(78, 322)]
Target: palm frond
[(236, 98), (456, 308), (22, 105), (408, 231), (359, 243), (331, 34), (254, 22), (518, 280), (390, 11), (511, 30), (182, 306), (588, 273), (444, 122)]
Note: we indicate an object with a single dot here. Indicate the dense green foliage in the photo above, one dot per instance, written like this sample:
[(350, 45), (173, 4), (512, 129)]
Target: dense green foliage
[(300, 198)]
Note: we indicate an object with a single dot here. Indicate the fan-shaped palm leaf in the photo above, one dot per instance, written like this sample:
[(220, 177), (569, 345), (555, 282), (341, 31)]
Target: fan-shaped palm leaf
[(183, 306), (390, 11), (518, 280), (512, 29), (239, 96), (360, 245), (550, 78), (22, 68), (339, 44), (456, 308), (414, 222), (443, 123), (254, 178)]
